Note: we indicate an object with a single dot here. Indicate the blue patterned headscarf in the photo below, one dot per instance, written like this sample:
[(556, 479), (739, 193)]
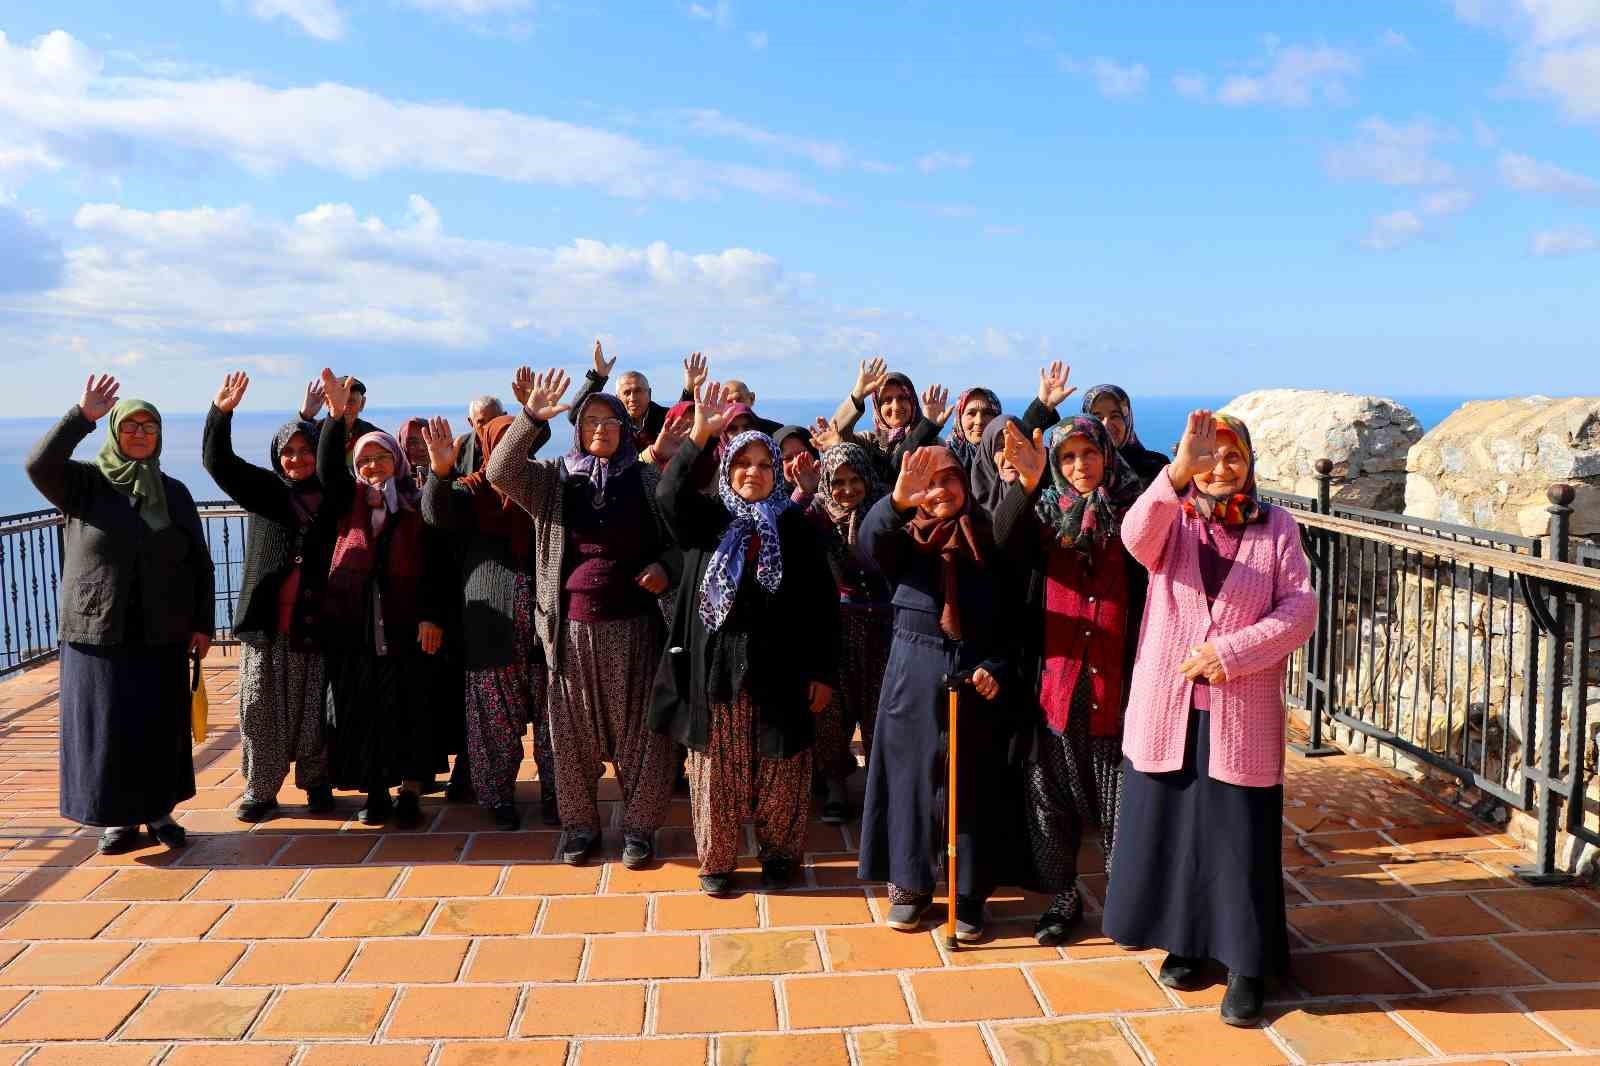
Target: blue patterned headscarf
[(759, 519)]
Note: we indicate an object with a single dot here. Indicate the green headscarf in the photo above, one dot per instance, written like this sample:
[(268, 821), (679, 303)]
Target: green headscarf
[(141, 478)]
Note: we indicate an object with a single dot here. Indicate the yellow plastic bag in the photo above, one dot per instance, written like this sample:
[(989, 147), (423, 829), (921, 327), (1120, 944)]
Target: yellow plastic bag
[(199, 706)]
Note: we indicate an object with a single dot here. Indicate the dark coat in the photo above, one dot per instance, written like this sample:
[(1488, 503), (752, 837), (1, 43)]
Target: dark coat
[(790, 631), (274, 542), (489, 572), (106, 545)]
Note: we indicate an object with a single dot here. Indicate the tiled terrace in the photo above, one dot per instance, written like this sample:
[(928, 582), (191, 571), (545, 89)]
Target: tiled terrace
[(318, 941)]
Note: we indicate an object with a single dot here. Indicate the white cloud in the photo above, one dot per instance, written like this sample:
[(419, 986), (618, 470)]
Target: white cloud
[(946, 210), (757, 39), (55, 92), (321, 19), (1112, 79), (1390, 153), (1393, 230), (1393, 40), (941, 160), (1003, 231), (1556, 48), (1527, 174), (470, 8), (1289, 76), (1446, 202), (714, 123), (720, 13), (1191, 86), (1572, 240)]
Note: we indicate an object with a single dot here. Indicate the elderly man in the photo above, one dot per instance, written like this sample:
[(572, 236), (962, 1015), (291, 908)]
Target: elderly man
[(356, 427), (633, 389), (480, 413), (736, 391)]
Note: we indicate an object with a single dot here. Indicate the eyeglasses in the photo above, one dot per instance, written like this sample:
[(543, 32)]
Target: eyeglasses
[(592, 424), (140, 429)]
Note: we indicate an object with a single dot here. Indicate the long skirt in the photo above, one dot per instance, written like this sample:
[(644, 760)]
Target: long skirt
[(381, 728), (865, 633), (500, 702), (126, 755), (1198, 865), (280, 716), (730, 783), (903, 820), (1070, 780), (597, 712)]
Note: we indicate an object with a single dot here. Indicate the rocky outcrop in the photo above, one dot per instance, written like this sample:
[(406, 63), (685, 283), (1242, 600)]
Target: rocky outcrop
[(1366, 437), (1491, 462)]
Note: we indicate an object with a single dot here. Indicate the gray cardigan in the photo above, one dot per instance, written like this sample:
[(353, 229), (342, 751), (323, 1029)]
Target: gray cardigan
[(106, 544)]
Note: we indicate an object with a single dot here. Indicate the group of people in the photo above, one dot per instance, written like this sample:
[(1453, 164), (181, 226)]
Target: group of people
[(696, 592)]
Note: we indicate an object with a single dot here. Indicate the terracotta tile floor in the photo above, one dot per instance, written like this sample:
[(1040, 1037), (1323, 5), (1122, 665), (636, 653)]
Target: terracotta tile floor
[(313, 940)]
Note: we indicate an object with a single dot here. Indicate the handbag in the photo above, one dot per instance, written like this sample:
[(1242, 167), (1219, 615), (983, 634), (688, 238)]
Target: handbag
[(199, 705)]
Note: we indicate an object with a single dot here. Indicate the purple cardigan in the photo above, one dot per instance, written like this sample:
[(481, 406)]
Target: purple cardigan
[(1265, 611)]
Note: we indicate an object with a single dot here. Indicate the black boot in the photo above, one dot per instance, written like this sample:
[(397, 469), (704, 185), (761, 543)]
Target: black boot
[(1183, 973), (1242, 1004), (408, 810)]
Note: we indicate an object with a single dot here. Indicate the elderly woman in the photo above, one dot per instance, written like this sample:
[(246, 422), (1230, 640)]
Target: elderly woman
[(1074, 646), (604, 560), (977, 408), (734, 687), (1197, 868), (1110, 404), (935, 550), (277, 621), (901, 422), (847, 489), (391, 585), (136, 600)]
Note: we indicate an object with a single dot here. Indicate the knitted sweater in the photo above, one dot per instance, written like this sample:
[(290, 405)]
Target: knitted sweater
[(1265, 611)]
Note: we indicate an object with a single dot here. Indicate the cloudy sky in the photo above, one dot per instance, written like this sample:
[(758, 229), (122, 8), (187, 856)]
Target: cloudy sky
[(1400, 198)]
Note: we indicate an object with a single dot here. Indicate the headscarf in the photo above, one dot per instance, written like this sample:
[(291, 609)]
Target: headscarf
[(855, 457), (492, 510), (957, 442), (304, 496), (1086, 521), (137, 479), (795, 431), (396, 494), (730, 415), (758, 520), (889, 437), (988, 489), (1242, 508), (1116, 392), (579, 465), (951, 539), (403, 434)]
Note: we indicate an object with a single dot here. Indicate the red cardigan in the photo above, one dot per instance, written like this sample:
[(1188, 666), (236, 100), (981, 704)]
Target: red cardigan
[(1085, 627)]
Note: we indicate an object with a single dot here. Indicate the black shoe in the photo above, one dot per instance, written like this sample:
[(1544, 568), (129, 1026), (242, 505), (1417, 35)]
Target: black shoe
[(319, 800), (548, 812), (778, 873), (1182, 973), (118, 840), (377, 810), (431, 787), (636, 851), (835, 812), (1242, 1004), (171, 834), (577, 846), (256, 810), (460, 791), (506, 818), (408, 810), (906, 916), (1053, 927), (719, 885), (969, 919)]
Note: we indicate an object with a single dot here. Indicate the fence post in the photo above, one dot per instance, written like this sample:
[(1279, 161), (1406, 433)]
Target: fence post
[(1547, 746), (1316, 687)]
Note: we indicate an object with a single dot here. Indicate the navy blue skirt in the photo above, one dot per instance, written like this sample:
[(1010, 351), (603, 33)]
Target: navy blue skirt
[(1197, 865), (126, 757)]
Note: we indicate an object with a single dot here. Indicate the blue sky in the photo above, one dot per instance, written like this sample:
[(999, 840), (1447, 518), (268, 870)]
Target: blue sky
[(1187, 199)]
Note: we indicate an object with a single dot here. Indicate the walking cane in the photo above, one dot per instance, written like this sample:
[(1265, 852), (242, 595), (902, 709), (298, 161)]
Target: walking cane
[(952, 685)]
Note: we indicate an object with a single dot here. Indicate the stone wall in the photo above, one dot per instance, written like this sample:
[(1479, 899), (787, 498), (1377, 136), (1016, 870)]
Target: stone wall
[(1366, 437)]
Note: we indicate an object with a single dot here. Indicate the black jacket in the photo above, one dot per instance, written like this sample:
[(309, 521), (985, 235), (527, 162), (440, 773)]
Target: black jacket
[(489, 574), (789, 632), (106, 546), (274, 541)]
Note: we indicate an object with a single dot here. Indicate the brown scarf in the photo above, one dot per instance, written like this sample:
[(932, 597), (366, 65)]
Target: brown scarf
[(494, 513), (951, 539)]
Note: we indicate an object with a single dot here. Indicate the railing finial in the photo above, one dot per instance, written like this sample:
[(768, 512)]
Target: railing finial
[(1561, 494)]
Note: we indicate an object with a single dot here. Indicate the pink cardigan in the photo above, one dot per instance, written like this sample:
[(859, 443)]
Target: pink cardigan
[(1265, 611)]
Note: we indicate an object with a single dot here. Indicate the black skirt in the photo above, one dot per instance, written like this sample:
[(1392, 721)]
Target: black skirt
[(382, 727), (126, 757), (1197, 865)]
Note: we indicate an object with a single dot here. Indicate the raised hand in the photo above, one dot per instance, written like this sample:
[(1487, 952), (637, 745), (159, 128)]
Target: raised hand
[(915, 478), (869, 378), (824, 436), (522, 385), (99, 397), (312, 404), (1027, 456), (544, 400), (1197, 451), (441, 446), (710, 413), (602, 365), (804, 470), (674, 431), (337, 391), (695, 371), (232, 390), (1053, 387), (936, 404)]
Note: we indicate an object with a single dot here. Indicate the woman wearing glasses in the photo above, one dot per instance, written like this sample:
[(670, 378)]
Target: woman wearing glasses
[(136, 601), (603, 561)]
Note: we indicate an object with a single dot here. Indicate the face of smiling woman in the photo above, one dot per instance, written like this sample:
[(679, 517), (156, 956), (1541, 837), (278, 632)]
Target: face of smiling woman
[(375, 465), (1229, 473), (297, 458), (139, 435), (750, 472), (1081, 463)]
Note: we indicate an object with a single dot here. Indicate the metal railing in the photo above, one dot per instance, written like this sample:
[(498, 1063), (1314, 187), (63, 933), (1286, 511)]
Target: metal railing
[(30, 578), (1467, 650)]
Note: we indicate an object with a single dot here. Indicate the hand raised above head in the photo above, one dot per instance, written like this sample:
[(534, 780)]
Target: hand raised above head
[(1197, 451), (710, 412), (1053, 384), (602, 365), (544, 399), (695, 371), (313, 401), (441, 445), (232, 391), (1027, 456), (936, 404), (99, 397), (337, 391), (522, 384), (824, 436), (915, 478), (870, 377)]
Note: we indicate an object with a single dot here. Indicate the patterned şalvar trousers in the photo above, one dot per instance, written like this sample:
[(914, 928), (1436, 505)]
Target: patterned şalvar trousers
[(729, 783), (865, 633), (499, 703), (280, 716), (598, 699)]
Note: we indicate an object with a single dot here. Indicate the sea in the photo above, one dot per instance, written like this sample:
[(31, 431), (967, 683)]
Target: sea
[(1158, 420)]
